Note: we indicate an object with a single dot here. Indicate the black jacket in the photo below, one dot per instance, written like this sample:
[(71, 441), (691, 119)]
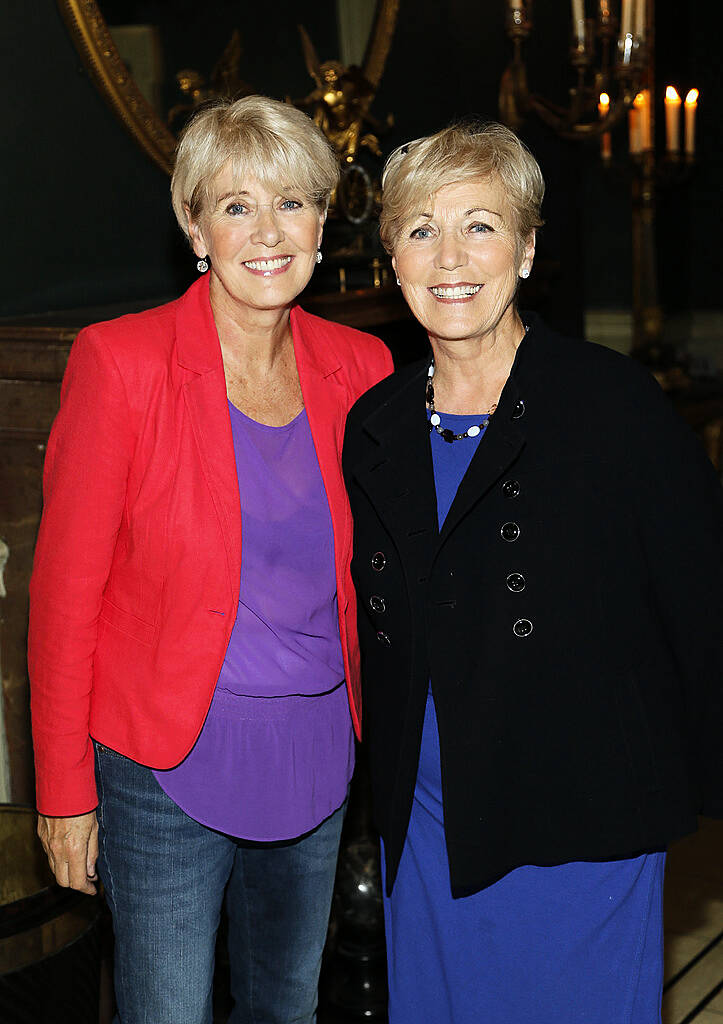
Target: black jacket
[(568, 615)]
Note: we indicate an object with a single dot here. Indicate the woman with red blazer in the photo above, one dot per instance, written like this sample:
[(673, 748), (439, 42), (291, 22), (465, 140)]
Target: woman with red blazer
[(194, 695)]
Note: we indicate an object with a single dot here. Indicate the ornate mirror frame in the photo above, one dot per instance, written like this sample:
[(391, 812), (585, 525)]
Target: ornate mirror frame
[(93, 41)]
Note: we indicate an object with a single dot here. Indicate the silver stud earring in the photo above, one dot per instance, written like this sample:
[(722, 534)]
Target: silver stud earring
[(319, 256), (202, 265), (399, 282), (525, 272)]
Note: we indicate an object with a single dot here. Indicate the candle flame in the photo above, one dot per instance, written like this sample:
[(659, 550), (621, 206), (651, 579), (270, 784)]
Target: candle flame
[(671, 94), (639, 100), (605, 99), (692, 98)]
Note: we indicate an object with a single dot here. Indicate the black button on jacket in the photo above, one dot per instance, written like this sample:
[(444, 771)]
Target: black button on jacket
[(598, 732)]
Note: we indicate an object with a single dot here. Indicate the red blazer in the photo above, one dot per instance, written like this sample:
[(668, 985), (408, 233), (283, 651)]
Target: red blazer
[(135, 582)]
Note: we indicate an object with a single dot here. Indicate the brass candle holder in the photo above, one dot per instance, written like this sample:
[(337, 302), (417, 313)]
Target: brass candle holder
[(601, 62), (614, 75)]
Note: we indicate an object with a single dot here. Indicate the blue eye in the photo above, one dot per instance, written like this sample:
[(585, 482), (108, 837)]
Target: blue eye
[(235, 209), (421, 233), (481, 228), (291, 204)]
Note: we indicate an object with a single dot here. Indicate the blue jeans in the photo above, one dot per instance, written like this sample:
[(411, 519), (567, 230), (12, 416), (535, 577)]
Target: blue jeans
[(165, 876)]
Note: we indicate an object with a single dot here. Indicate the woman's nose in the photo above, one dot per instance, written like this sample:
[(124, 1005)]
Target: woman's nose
[(450, 253), (267, 229)]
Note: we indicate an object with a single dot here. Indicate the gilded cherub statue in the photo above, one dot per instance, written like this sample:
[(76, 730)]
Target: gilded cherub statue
[(225, 80), (340, 104)]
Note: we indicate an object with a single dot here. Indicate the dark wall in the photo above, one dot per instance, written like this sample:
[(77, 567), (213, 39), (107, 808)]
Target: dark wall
[(193, 39), (88, 213), (90, 220)]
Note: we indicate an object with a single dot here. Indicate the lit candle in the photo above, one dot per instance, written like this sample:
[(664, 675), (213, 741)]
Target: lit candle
[(672, 120), (642, 101), (603, 109), (604, 11), (640, 19), (578, 22), (691, 102)]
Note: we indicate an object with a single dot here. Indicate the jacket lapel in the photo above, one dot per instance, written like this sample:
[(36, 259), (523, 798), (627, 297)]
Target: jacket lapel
[(325, 401), (204, 393), (498, 449), (399, 478)]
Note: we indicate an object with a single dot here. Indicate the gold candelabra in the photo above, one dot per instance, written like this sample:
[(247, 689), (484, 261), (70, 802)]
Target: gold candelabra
[(612, 57)]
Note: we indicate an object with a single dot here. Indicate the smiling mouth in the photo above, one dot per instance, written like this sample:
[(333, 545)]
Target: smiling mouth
[(268, 267), (455, 292)]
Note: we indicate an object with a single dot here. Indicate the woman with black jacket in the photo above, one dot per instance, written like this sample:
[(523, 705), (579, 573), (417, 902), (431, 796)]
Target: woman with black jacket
[(538, 565)]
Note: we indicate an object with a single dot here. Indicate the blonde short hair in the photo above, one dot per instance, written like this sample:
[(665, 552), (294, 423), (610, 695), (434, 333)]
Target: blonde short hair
[(460, 152), (271, 141)]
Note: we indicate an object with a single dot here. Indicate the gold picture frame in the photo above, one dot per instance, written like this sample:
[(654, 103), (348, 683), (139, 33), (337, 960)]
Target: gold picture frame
[(92, 38)]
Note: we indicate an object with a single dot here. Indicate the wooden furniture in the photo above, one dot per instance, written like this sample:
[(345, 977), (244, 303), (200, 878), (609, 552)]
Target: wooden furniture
[(49, 937), (32, 361)]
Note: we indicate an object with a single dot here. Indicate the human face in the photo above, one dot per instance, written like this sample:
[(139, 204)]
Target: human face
[(262, 243), (458, 261)]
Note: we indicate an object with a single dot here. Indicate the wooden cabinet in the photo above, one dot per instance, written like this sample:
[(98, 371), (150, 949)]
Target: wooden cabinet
[(32, 361)]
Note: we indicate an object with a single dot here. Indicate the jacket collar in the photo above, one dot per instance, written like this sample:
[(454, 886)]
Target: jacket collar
[(197, 343), (199, 349), (311, 343), (400, 478), (403, 404)]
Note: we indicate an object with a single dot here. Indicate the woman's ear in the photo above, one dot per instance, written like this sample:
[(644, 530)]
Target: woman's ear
[(529, 255), (322, 222), (195, 233), (530, 249)]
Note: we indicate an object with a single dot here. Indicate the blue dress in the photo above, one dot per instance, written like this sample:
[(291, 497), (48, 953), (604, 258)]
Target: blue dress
[(578, 943)]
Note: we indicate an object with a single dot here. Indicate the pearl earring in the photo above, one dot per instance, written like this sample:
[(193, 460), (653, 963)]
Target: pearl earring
[(319, 256), (399, 282), (202, 265), (525, 272)]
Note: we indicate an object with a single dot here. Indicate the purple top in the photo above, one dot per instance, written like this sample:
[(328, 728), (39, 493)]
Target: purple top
[(276, 751)]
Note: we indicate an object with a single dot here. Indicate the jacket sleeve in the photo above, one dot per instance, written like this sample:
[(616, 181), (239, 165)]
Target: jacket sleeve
[(679, 510), (84, 487)]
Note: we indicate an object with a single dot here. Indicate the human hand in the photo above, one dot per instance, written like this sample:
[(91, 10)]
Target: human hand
[(72, 848)]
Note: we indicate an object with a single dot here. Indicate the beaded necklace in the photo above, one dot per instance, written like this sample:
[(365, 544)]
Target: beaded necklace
[(434, 420)]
